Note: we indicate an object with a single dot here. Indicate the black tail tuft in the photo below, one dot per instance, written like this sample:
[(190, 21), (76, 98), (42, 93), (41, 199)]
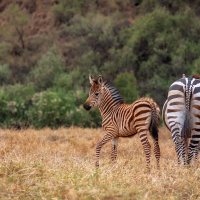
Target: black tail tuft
[(154, 131), (155, 117), (186, 130)]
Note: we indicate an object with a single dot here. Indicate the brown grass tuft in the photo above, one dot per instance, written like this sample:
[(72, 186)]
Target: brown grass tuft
[(59, 164)]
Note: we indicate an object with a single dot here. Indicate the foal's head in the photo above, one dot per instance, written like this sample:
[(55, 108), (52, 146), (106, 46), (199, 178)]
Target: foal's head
[(95, 92)]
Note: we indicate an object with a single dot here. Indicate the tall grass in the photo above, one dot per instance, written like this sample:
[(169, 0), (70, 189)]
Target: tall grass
[(59, 164)]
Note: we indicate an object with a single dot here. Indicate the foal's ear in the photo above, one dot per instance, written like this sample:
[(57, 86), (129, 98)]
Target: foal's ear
[(100, 80), (91, 79)]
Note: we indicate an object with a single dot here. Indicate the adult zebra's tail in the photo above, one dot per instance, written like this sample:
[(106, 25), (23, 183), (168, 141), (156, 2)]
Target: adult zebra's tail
[(186, 130)]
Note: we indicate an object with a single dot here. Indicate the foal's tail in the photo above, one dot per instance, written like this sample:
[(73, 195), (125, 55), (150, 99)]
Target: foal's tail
[(155, 119)]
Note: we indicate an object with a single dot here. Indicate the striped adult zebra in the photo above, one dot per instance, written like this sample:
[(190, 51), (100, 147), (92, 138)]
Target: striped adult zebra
[(123, 120), (198, 150), (181, 114)]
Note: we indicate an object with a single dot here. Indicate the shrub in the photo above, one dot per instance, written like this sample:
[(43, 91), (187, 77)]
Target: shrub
[(196, 68), (19, 92), (66, 9), (127, 85), (171, 5), (95, 36), (21, 107), (55, 109), (52, 109), (3, 107), (5, 49), (83, 118), (15, 100), (159, 44), (73, 80), (5, 74), (16, 20), (48, 68)]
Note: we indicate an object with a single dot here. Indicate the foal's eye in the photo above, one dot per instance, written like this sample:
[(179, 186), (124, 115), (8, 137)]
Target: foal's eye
[(96, 94)]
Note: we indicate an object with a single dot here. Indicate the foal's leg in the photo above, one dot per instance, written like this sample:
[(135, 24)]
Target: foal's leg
[(99, 145), (146, 146), (157, 152), (114, 149)]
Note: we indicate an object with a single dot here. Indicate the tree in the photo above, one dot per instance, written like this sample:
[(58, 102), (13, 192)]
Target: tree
[(47, 69), (15, 20), (5, 74), (126, 83)]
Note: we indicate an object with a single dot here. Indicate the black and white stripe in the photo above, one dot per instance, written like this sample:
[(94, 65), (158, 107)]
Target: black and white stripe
[(181, 114)]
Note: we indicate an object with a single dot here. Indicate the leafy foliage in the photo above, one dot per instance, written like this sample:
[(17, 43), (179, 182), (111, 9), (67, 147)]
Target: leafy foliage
[(54, 109), (15, 102), (16, 20), (162, 49), (127, 85), (45, 58), (48, 67), (5, 74)]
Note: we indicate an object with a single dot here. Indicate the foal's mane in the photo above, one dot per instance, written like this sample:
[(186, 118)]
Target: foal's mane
[(114, 92)]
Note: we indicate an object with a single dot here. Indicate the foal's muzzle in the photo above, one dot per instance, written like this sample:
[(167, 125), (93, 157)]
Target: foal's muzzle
[(86, 106)]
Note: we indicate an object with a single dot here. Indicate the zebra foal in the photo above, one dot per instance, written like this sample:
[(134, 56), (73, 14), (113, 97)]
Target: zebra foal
[(123, 120), (181, 115)]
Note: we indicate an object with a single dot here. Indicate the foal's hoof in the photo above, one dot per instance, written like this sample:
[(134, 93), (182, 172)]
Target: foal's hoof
[(97, 165)]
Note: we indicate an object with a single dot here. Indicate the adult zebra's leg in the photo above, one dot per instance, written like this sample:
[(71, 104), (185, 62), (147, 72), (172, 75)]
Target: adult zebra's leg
[(146, 146), (180, 149), (99, 145), (178, 146), (177, 149), (193, 149), (197, 151), (196, 154), (114, 149), (185, 151)]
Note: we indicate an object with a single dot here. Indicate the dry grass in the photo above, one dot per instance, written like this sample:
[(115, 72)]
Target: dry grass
[(59, 164)]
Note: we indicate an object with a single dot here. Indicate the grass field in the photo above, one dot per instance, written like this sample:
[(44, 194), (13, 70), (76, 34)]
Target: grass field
[(59, 164)]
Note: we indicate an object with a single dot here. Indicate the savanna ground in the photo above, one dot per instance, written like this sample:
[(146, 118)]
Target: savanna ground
[(59, 164)]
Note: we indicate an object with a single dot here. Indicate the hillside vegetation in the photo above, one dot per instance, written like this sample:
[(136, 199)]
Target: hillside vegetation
[(49, 164), (48, 48)]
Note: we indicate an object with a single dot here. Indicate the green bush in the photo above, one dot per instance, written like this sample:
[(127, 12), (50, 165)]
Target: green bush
[(83, 118), (22, 107), (95, 36), (3, 107), (51, 109), (196, 68), (15, 100), (127, 85), (160, 50), (5, 49), (48, 68), (19, 92), (141, 49), (65, 10), (55, 109), (171, 5), (73, 80), (5, 74)]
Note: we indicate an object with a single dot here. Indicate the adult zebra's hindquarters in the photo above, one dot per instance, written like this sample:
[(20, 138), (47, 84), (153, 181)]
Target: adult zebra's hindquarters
[(123, 120), (181, 114)]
